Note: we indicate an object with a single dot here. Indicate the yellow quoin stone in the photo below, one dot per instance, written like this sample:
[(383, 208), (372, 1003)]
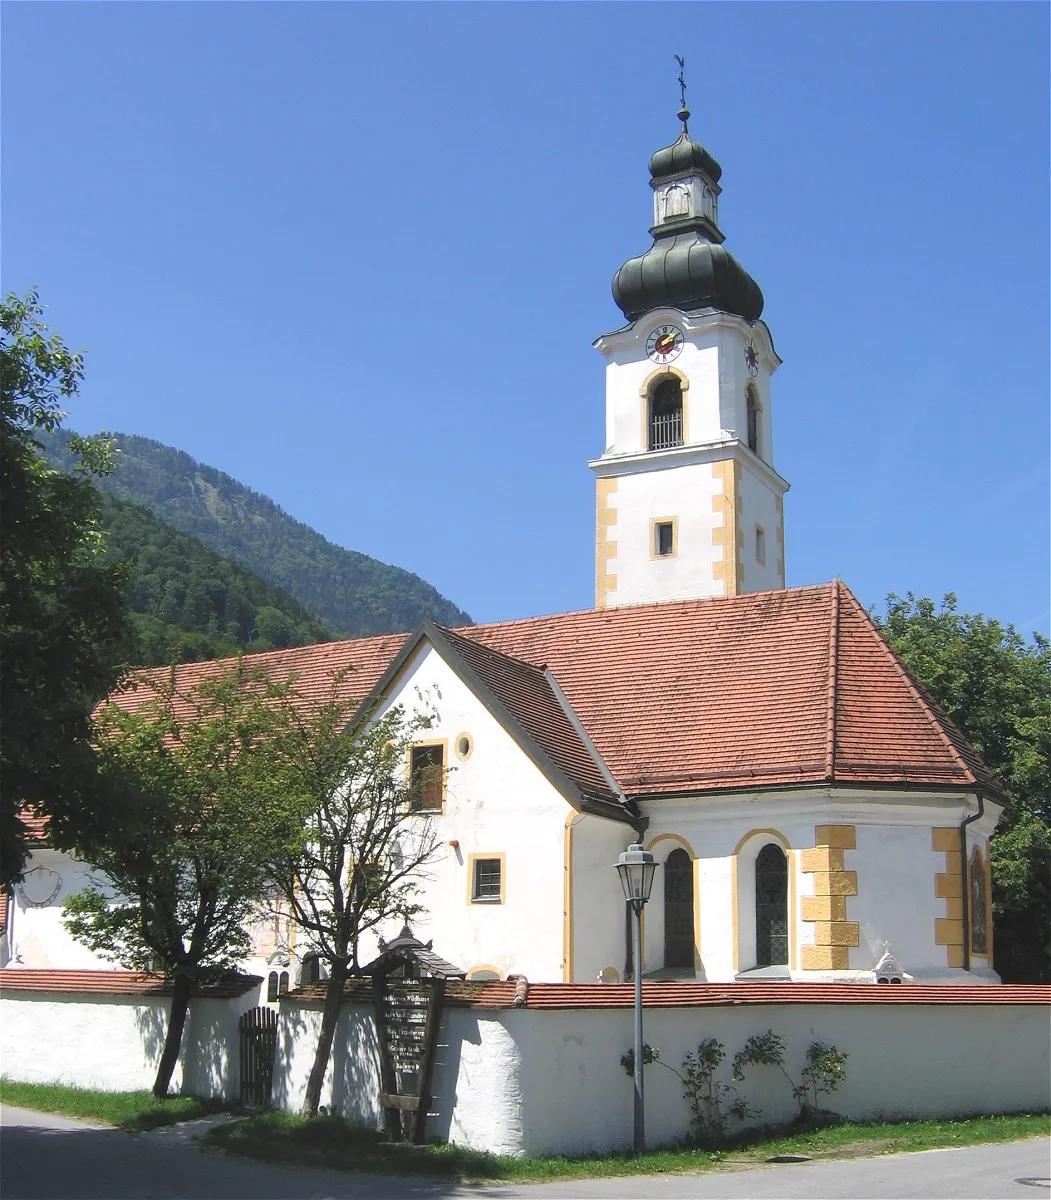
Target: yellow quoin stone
[(948, 886), (826, 910)]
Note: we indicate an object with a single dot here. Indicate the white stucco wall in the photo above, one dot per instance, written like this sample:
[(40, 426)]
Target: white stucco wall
[(712, 360), (113, 1043), (896, 905), (351, 1085), (757, 506), (665, 488), (680, 483), (909, 1061), (550, 1081), (497, 803), (597, 913)]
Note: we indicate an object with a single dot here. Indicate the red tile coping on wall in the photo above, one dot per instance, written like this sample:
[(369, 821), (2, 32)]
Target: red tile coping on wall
[(702, 995), (116, 983)]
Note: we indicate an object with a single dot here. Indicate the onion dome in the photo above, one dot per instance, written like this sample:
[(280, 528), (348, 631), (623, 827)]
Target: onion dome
[(684, 157), (687, 272), (687, 267)]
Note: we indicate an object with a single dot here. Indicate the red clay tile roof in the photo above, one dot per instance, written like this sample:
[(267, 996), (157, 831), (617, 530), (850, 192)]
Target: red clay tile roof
[(771, 689), (700, 995), (526, 693), (116, 983)]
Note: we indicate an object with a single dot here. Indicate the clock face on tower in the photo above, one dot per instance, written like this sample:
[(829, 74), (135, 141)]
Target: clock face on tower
[(664, 343)]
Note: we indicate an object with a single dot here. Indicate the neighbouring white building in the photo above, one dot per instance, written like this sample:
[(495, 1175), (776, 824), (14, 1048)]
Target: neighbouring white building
[(815, 816)]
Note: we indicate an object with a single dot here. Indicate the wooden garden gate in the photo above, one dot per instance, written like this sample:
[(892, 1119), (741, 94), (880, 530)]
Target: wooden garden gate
[(258, 1038)]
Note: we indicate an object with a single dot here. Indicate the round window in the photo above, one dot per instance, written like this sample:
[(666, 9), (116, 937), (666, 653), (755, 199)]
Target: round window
[(464, 746)]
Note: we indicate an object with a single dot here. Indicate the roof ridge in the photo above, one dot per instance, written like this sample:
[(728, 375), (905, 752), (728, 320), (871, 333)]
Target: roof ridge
[(738, 598), (833, 681), (913, 689)]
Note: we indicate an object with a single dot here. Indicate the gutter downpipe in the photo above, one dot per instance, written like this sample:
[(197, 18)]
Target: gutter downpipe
[(966, 906)]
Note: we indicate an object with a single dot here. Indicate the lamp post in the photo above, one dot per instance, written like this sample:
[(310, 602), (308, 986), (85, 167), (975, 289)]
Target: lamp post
[(636, 868)]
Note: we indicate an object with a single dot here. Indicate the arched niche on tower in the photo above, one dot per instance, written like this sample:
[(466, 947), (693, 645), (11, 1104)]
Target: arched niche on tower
[(664, 393)]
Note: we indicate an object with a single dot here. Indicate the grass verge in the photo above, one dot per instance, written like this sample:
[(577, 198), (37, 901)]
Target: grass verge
[(132, 1111), (331, 1142)]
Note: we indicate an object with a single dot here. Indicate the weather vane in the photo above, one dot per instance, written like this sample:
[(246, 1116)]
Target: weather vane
[(684, 112)]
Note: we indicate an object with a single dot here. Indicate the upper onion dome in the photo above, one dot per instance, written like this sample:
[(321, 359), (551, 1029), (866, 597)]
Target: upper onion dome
[(687, 267), (684, 157)]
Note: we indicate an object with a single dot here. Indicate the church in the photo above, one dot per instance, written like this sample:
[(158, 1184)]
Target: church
[(815, 817)]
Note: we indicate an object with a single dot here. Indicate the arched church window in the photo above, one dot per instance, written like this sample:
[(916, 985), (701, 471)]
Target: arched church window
[(271, 987), (771, 907), (665, 416), (979, 915), (755, 411), (678, 911)]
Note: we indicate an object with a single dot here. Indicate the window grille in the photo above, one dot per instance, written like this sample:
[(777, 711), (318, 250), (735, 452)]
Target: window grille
[(487, 879), (771, 907), (665, 423), (678, 910)]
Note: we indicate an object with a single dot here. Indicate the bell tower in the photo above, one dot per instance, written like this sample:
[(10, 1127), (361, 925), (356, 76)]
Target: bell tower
[(688, 501)]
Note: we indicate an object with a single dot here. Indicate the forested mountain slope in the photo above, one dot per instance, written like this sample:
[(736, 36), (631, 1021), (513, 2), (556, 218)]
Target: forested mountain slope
[(354, 594), (188, 603)]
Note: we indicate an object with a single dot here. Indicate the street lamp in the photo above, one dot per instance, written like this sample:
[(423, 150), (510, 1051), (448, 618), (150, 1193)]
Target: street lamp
[(636, 869)]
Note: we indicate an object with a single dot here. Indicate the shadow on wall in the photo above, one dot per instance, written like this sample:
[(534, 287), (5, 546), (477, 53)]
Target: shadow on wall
[(151, 1020), (293, 1031), (210, 1045), (355, 1068), (447, 1071)]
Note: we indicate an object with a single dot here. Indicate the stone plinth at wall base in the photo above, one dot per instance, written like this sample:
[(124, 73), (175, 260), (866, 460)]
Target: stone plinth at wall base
[(546, 1078)]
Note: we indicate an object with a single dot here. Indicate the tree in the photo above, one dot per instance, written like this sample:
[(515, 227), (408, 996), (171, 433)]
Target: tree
[(191, 825), (365, 845), (63, 625), (996, 687)]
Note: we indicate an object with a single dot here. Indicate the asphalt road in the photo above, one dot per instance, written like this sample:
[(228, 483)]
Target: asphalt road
[(44, 1157)]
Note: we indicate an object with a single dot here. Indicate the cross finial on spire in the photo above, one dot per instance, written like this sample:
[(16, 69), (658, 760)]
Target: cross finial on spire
[(684, 112)]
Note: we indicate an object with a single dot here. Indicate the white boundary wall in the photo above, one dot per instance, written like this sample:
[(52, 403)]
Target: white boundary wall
[(113, 1042), (550, 1082)]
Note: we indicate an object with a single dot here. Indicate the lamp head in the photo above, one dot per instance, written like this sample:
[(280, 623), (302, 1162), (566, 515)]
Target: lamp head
[(636, 867)]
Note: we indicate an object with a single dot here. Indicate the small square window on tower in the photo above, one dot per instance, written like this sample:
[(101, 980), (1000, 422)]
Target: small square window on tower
[(487, 879), (664, 538)]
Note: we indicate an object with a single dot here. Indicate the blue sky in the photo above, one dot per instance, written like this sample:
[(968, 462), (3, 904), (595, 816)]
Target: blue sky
[(356, 256)]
